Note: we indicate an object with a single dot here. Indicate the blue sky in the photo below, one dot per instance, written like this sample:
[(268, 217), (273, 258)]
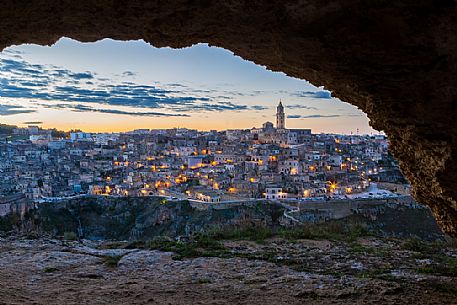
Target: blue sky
[(116, 86)]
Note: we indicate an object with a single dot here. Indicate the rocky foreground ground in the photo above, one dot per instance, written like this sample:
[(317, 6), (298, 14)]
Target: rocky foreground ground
[(275, 270)]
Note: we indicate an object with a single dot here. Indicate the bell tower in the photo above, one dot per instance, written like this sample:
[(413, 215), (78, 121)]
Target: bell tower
[(280, 117)]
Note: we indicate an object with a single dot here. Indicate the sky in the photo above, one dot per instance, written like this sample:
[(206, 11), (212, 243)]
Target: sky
[(111, 86)]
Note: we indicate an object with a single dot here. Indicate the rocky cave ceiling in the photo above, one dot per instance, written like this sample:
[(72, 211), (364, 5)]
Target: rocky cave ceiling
[(395, 60)]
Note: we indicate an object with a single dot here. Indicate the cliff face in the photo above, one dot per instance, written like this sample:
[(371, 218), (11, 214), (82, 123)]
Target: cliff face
[(143, 218), (394, 60)]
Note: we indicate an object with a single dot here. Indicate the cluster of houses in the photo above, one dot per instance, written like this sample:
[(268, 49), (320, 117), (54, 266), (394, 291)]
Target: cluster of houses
[(210, 166)]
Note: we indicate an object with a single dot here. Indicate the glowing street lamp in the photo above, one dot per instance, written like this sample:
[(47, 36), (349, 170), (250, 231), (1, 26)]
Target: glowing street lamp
[(332, 186)]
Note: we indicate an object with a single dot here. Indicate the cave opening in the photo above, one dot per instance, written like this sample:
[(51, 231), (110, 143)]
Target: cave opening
[(118, 87), (396, 62)]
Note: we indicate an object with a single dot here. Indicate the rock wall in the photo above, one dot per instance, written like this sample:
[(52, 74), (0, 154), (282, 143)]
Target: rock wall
[(395, 60), (143, 218), (134, 218)]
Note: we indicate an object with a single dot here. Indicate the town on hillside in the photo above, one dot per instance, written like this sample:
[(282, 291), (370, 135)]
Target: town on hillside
[(271, 162)]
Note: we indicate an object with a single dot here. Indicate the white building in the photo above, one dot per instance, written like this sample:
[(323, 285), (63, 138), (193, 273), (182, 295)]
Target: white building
[(274, 192)]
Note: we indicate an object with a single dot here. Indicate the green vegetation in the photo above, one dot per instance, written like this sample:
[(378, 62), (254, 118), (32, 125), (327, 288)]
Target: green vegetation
[(115, 245), (70, 236), (355, 248), (203, 281), (202, 246), (443, 265), (112, 260), (210, 243), (49, 269), (328, 231), (446, 288), (419, 246), (450, 242), (7, 129), (55, 133), (9, 222), (254, 234), (380, 273)]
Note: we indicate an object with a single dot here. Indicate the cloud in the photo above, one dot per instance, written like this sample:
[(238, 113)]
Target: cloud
[(11, 51), (177, 85), (13, 109), (324, 94), (115, 111), (20, 79), (220, 106), (312, 116), (128, 73), (259, 107), (32, 123), (85, 108), (300, 106), (84, 75)]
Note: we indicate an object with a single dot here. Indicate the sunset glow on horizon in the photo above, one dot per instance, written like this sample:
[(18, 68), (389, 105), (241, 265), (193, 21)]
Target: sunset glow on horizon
[(112, 86)]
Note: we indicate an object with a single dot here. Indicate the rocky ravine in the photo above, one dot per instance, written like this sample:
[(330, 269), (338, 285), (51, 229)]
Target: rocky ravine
[(132, 218), (368, 271), (146, 251), (143, 218)]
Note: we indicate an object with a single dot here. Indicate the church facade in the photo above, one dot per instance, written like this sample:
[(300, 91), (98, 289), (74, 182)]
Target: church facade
[(280, 135)]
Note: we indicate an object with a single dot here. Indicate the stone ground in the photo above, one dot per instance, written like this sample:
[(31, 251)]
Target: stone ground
[(368, 271)]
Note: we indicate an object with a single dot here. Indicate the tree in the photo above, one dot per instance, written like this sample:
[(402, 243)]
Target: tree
[(7, 129), (55, 133)]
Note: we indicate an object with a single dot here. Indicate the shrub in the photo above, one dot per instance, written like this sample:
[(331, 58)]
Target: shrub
[(446, 266), (112, 260), (49, 269), (356, 248), (450, 242), (70, 236), (446, 288), (419, 246), (254, 234)]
